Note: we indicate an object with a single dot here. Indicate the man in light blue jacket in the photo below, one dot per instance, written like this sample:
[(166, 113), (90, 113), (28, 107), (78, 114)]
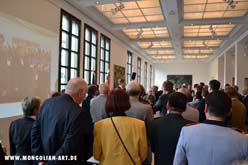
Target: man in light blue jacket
[(212, 142)]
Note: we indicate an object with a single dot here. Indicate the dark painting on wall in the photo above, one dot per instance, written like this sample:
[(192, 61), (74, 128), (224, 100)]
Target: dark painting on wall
[(179, 80)]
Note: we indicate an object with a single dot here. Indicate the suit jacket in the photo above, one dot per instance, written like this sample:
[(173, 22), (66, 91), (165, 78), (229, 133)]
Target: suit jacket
[(210, 143), (108, 148), (238, 116), (160, 105), (163, 134), (60, 129), (19, 138), (97, 108)]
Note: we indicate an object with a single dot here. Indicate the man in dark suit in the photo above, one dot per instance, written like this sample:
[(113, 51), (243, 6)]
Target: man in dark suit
[(61, 127), (20, 130), (160, 105), (164, 133)]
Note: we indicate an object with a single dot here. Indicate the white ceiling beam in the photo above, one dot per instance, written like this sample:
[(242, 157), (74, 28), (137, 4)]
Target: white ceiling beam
[(216, 21), (151, 39), (200, 48), (204, 38), (87, 3), (200, 54), (158, 49), (138, 25)]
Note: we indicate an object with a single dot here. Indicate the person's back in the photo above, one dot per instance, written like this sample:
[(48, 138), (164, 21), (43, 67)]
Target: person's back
[(164, 136), (238, 115), (163, 133), (133, 134), (61, 127), (212, 144), (97, 108)]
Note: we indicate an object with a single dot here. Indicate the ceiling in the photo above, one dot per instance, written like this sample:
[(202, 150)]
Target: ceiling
[(171, 30)]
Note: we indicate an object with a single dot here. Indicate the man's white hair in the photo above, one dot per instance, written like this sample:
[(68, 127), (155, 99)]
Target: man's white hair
[(75, 85), (103, 88)]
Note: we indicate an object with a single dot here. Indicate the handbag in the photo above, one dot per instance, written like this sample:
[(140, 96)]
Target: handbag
[(122, 141)]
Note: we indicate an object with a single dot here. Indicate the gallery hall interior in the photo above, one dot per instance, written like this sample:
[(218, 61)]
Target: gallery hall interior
[(121, 82)]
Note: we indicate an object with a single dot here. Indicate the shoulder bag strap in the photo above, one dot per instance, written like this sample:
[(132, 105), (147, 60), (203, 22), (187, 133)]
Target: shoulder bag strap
[(122, 141)]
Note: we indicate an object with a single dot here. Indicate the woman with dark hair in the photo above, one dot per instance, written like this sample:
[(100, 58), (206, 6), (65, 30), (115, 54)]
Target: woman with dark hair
[(20, 130), (119, 139)]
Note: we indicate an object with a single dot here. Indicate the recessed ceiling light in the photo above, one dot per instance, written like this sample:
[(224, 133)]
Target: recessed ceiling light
[(97, 2)]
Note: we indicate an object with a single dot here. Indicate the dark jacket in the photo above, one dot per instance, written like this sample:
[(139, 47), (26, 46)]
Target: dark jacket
[(19, 138), (60, 129), (163, 134), (160, 105)]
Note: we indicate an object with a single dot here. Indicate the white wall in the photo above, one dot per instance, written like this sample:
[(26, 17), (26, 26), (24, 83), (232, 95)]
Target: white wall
[(199, 71), (213, 69)]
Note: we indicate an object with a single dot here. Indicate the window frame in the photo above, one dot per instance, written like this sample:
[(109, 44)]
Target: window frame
[(104, 49), (69, 50), (91, 30), (139, 67), (129, 64), (145, 75)]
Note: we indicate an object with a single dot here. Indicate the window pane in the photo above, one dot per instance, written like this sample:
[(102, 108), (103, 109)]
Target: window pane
[(64, 75), (106, 76), (93, 64), (107, 45), (65, 23), (101, 78), (86, 63), (106, 67), (94, 38), (73, 73), (107, 56), (92, 78), (93, 51), (75, 28), (64, 57), (74, 44), (87, 48), (101, 66), (65, 40), (74, 60), (102, 42), (86, 76), (102, 54), (62, 87), (87, 34)]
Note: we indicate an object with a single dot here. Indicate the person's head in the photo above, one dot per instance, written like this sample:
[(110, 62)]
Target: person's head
[(204, 92), (133, 89), (92, 89), (142, 90), (231, 92), (103, 89), (154, 88), (177, 102), (31, 106), (227, 85), (198, 95), (55, 94), (122, 83), (202, 84), (186, 92), (245, 91), (117, 101), (236, 88), (77, 88), (168, 86), (218, 104), (214, 85), (150, 91)]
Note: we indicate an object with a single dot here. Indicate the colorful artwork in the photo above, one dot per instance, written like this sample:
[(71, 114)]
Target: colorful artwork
[(179, 80), (119, 73)]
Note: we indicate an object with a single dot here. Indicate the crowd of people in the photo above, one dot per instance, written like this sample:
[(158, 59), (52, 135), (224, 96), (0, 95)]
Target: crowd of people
[(205, 125)]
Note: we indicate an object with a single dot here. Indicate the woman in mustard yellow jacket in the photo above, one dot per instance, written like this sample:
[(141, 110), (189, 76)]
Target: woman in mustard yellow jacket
[(130, 146)]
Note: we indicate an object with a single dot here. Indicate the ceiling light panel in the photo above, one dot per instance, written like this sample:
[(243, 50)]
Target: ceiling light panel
[(148, 45), (146, 32), (203, 30), (160, 52), (202, 43), (195, 57), (205, 9), (198, 51), (133, 12), (163, 57)]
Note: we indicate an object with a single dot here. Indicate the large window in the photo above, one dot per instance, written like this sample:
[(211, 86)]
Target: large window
[(90, 55), (139, 70), (105, 58), (145, 76), (150, 75), (69, 49), (129, 66)]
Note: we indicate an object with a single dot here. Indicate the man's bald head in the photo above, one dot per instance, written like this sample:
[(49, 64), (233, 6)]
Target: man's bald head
[(104, 88)]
